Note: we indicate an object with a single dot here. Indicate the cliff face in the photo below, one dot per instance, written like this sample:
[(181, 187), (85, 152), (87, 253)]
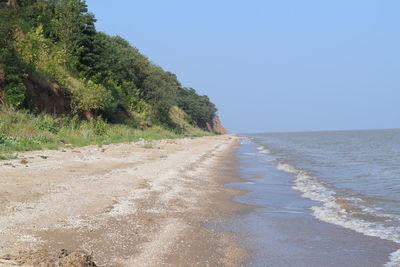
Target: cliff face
[(216, 126), (47, 97)]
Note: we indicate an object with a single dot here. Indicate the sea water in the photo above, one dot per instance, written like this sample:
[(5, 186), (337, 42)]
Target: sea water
[(326, 198)]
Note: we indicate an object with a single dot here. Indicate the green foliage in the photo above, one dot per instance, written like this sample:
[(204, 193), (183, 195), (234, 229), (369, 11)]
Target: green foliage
[(136, 104), (199, 109), (3, 129), (159, 89), (72, 122), (46, 123), (14, 91), (98, 74), (90, 96), (38, 53), (22, 131), (9, 23), (99, 126), (7, 27), (69, 22), (35, 13), (116, 60)]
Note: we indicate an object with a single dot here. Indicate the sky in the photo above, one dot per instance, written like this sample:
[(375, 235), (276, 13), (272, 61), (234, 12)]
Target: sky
[(274, 66)]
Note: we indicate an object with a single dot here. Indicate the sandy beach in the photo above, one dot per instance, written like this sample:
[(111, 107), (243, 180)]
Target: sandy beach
[(137, 204)]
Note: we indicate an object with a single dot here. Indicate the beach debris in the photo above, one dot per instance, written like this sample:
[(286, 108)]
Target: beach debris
[(63, 257)]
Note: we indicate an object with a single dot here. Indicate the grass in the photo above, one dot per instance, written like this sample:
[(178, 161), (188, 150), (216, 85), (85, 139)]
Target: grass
[(23, 131)]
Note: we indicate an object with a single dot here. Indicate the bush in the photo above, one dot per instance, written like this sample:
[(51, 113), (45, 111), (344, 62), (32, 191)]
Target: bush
[(9, 140), (99, 126), (3, 128), (72, 123), (90, 96), (46, 123), (14, 91)]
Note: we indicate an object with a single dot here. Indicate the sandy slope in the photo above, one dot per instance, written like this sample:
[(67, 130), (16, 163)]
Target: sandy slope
[(129, 205)]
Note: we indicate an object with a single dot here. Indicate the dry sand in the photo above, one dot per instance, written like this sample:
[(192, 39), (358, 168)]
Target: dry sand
[(126, 204)]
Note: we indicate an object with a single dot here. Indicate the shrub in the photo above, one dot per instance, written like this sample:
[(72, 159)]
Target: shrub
[(46, 123), (3, 128), (99, 126), (90, 96), (9, 140), (14, 91), (72, 123), (133, 122)]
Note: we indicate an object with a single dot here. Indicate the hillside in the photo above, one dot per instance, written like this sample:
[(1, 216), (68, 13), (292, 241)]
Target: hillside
[(57, 69)]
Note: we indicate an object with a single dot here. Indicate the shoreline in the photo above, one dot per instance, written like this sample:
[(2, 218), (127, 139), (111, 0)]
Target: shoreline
[(284, 231), (220, 206), (128, 204)]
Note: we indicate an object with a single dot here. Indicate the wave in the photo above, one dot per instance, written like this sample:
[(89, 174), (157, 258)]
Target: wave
[(264, 150), (394, 259), (343, 210), (245, 141), (311, 187)]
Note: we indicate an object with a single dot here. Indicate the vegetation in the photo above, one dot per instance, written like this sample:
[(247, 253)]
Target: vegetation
[(90, 79), (21, 131)]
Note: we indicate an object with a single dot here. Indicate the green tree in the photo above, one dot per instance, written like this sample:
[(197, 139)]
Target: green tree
[(71, 19), (48, 44), (14, 91), (36, 13), (8, 27), (42, 56), (200, 109), (159, 90)]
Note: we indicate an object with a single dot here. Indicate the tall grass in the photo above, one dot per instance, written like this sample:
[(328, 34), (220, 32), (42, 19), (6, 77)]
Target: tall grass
[(22, 131)]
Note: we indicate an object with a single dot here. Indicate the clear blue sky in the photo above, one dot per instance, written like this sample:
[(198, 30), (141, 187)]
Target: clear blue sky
[(287, 65)]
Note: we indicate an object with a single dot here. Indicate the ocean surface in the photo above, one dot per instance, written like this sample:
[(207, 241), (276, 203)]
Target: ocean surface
[(325, 198)]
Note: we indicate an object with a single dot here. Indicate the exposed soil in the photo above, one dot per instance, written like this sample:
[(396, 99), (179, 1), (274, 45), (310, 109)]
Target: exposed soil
[(216, 126)]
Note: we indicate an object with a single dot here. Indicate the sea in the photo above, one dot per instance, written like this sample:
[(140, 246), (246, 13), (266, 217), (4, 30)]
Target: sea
[(322, 198)]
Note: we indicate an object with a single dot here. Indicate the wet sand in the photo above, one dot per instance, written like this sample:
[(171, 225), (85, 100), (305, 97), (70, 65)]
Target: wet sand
[(126, 204)]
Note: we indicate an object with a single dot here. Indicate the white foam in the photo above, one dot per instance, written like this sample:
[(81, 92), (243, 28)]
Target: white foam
[(394, 259), (263, 150), (287, 168), (311, 187), (245, 141), (333, 212)]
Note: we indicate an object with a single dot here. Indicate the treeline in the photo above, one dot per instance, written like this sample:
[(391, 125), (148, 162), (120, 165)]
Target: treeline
[(100, 75)]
